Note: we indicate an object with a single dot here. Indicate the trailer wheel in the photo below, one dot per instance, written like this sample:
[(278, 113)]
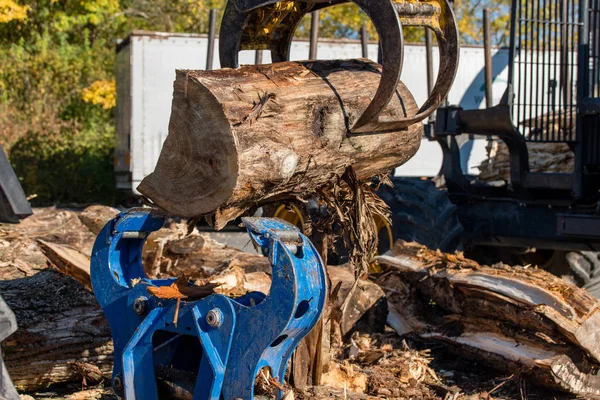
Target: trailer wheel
[(579, 267), (422, 213), (585, 266)]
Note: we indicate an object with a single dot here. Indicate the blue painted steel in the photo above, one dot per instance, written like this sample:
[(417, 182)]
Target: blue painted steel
[(212, 362)]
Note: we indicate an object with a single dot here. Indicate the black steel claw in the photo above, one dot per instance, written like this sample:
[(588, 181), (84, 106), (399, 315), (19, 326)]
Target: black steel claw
[(436, 15), (270, 25)]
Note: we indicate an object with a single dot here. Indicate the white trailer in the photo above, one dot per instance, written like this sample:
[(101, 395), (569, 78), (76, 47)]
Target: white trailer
[(145, 71)]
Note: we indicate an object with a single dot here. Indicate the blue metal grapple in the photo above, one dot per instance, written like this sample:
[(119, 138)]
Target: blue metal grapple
[(219, 344)]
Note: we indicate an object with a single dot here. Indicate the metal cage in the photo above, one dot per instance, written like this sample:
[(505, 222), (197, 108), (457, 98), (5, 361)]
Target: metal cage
[(544, 50), (590, 122)]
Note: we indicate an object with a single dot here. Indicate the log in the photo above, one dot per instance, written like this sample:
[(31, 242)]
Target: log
[(367, 308), (512, 318), (60, 324), (96, 216), (69, 261), (543, 157), (20, 252), (244, 137)]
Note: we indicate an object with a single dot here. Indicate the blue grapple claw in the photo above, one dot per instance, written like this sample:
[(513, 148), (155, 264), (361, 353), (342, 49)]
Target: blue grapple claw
[(219, 344)]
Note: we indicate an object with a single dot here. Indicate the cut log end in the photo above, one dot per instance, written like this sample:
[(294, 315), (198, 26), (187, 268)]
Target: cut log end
[(202, 146)]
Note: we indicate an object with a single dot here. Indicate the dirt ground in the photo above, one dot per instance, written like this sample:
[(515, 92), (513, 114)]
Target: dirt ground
[(385, 366)]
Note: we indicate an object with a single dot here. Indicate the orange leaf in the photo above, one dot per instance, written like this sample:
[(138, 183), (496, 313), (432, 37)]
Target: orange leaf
[(166, 292), (180, 289)]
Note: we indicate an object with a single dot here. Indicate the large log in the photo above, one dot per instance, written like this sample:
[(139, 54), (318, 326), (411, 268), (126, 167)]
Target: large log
[(512, 318), (238, 138)]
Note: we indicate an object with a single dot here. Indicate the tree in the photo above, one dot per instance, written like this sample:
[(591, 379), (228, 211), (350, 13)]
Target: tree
[(469, 14), (345, 21)]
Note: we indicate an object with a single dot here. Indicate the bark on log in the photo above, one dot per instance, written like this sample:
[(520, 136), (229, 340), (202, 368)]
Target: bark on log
[(96, 216), (60, 323), (256, 134), (512, 318)]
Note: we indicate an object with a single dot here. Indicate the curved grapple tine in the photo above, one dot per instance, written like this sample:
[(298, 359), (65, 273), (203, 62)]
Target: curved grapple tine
[(386, 22), (438, 16), (259, 25), (270, 25)]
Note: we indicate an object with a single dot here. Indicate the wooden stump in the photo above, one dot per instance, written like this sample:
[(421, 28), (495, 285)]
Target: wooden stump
[(244, 137)]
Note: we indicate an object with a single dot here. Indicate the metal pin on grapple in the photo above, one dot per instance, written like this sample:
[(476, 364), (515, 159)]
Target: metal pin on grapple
[(270, 25), (219, 344)]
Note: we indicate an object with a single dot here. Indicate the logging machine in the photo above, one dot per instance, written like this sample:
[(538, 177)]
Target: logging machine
[(172, 345), (541, 218)]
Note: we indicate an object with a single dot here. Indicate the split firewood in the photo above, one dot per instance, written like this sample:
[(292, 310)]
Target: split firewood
[(92, 394), (543, 157), (58, 238), (20, 252), (512, 317), (367, 307), (172, 252), (53, 225), (366, 312), (69, 261), (95, 217), (239, 138), (20, 257)]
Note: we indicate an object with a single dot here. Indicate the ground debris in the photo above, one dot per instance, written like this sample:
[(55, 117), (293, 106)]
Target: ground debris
[(464, 331), (90, 373), (510, 318)]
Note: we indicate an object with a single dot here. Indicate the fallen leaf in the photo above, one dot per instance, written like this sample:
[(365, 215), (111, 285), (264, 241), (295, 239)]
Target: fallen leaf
[(166, 292), (181, 289)]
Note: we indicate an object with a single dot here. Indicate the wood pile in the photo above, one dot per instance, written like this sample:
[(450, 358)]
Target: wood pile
[(63, 336), (543, 157), (511, 317), (520, 325), (60, 322)]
